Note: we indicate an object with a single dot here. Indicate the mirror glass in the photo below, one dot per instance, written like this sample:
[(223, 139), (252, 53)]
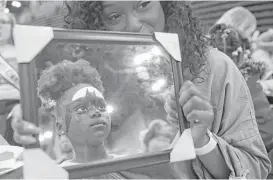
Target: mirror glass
[(107, 99)]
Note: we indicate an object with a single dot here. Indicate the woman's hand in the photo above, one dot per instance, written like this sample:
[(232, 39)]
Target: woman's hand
[(197, 110), (23, 130)]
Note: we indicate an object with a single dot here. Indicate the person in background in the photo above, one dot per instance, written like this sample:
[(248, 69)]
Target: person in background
[(214, 97), (158, 136), (264, 45)]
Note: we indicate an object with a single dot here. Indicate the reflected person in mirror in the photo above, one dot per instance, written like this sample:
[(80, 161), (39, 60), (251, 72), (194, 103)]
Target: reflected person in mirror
[(82, 120), (158, 136), (214, 97), (80, 108)]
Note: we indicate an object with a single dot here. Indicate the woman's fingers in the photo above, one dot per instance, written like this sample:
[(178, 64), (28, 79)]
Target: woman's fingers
[(194, 102), (23, 130), (170, 111), (172, 120), (24, 139), (170, 107), (21, 126), (25, 127), (171, 100), (62, 159), (198, 116)]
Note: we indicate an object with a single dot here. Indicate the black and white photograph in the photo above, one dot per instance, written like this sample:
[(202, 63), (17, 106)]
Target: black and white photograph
[(136, 89)]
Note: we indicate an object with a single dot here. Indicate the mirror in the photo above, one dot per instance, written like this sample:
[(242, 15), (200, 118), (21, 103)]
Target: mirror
[(136, 80), (100, 97)]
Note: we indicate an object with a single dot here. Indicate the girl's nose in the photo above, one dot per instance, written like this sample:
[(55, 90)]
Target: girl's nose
[(133, 24), (95, 114)]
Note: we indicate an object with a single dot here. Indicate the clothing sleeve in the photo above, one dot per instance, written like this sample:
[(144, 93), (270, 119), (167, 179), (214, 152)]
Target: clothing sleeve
[(235, 127)]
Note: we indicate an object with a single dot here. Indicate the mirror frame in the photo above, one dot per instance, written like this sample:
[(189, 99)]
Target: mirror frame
[(29, 99)]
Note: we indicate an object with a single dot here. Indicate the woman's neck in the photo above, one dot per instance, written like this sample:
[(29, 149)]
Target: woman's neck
[(89, 153)]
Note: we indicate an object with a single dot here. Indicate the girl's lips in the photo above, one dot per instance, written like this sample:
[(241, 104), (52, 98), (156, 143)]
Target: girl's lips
[(98, 126), (98, 123)]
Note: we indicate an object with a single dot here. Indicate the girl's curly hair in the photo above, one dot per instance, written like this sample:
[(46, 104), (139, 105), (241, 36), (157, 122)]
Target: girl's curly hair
[(179, 19), (59, 78)]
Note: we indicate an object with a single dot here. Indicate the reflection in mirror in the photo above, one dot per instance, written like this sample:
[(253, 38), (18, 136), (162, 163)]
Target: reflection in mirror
[(108, 100)]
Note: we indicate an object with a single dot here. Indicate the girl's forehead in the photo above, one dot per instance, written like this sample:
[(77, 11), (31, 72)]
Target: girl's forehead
[(80, 91), (83, 92)]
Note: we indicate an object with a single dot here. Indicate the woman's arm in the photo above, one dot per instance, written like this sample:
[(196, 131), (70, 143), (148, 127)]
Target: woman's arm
[(239, 144), (214, 161)]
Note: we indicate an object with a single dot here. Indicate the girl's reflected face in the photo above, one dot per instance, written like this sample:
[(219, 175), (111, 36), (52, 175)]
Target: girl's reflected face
[(133, 16), (89, 116)]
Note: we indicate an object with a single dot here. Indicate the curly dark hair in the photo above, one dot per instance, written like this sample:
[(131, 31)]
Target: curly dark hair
[(57, 79), (179, 19)]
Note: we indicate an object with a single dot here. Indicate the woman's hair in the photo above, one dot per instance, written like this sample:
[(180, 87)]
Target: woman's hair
[(57, 79), (179, 19)]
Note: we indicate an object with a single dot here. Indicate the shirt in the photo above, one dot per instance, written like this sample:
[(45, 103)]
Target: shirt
[(234, 126)]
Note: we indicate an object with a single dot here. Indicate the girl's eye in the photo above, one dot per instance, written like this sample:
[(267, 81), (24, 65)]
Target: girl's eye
[(143, 4), (81, 110), (102, 108), (114, 16)]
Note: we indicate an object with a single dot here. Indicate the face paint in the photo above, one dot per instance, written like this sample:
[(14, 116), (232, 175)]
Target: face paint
[(90, 121), (88, 104), (83, 92)]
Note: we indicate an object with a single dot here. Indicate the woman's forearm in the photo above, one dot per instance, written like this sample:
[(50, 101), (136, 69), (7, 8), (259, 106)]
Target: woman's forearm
[(215, 163)]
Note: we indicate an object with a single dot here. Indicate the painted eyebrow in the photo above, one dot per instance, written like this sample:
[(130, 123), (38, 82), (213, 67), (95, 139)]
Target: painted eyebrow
[(80, 101)]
